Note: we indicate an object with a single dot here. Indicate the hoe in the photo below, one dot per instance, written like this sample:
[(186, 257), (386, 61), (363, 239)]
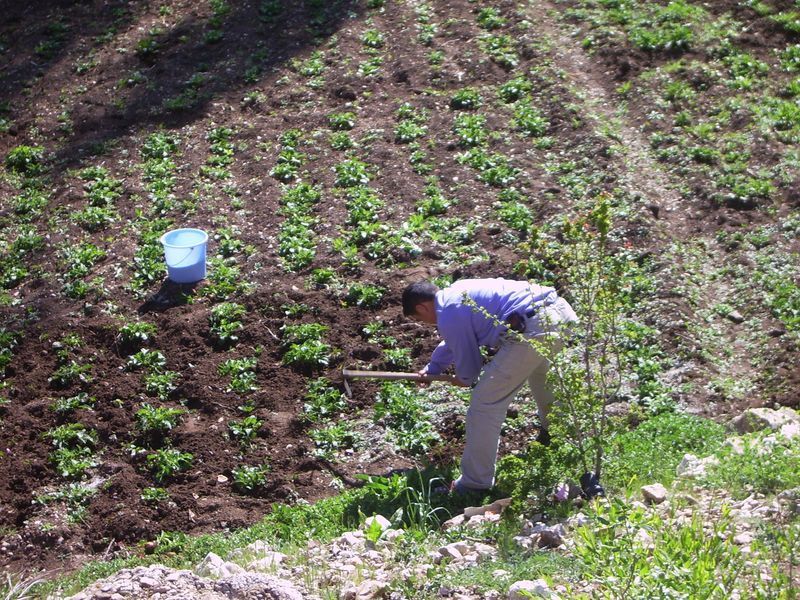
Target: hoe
[(348, 374)]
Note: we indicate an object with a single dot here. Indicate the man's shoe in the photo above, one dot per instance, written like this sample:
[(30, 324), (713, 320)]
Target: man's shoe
[(590, 485), (544, 437)]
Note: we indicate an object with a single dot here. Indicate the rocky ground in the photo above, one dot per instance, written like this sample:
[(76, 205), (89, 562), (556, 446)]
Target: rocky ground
[(366, 563)]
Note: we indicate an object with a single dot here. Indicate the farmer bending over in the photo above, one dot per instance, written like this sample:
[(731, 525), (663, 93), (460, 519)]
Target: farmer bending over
[(460, 314)]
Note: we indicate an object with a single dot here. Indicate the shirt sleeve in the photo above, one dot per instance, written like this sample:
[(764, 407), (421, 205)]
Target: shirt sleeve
[(441, 358), (464, 348)]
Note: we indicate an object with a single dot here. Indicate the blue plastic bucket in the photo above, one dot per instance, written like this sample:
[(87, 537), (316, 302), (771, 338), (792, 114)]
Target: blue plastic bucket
[(185, 253)]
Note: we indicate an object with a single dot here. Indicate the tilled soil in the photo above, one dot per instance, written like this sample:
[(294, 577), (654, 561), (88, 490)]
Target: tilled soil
[(107, 124)]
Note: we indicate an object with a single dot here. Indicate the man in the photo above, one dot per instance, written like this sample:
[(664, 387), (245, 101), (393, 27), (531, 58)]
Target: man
[(475, 313)]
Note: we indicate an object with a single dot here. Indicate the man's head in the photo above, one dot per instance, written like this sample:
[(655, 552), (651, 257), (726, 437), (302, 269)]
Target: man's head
[(418, 302)]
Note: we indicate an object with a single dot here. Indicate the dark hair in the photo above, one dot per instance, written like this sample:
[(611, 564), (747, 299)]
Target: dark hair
[(417, 293)]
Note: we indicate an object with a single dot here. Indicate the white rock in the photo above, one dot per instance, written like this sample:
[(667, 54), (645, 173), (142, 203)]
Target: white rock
[(693, 467), (654, 493), (352, 538), (743, 539), (756, 419), (382, 521), (214, 567), (499, 574), (268, 562), (790, 430), (495, 507), (735, 443), (254, 551), (456, 521), (523, 590), (450, 551)]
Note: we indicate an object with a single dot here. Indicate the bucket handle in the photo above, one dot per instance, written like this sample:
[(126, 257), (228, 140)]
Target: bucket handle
[(188, 254)]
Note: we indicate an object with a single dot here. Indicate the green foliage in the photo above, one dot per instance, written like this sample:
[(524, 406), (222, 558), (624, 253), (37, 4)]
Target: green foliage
[(165, 463), (407, 131), (651, 452), (136, 334), (494, 169), (66, 406), (373, 38), (246, 429), (225, 323), (688, 561), (73, 453), (333, 438), (466, 99), (365, 295), (25, 160), (249, 479), (351, 173), (154, 495), (72, 435), (343, 121), (399, 407), (157, 420), (322, 401), (515, 89), (304, 347), (470, 130), (790, 58), (160, 384), (761, 466), (500, 48), (490, 18), (151, 361), (529, 119), (242, 374)]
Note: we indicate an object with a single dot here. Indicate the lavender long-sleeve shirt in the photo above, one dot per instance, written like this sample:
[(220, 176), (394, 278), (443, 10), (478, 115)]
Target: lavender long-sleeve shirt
[(464, 329)]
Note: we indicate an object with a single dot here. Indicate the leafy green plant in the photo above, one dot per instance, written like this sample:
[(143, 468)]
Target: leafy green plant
[(343, 121), (246, 429), (66, 406), (160, 384), (242, 374), (500, 48), (529, 119), (364, 295), (490, 18), (470, 130), (134, 335), (373, 38), (322, 401), (333, 438), (151, 361), (25, 160), (165, 463), (154, 495), (249, 479), (400, 408), (466, 99), (157, 420), (515, 89), (225, 323), (351, 173)]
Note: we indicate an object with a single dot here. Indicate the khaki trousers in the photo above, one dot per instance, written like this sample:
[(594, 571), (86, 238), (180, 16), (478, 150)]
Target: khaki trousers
[(515, 362)]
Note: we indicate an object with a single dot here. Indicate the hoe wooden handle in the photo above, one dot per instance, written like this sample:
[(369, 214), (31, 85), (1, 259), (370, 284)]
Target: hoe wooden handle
[(390, 375)]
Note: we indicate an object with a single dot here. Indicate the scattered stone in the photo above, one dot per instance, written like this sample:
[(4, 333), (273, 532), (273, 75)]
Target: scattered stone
[(693, 467), (222, 479), (654, 493), (380, 520), (743, 539), (450, 551), (257, 586), (525, 589), (550, 538), (736, 316), (757, 419), (214, 567), (496, 507)]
